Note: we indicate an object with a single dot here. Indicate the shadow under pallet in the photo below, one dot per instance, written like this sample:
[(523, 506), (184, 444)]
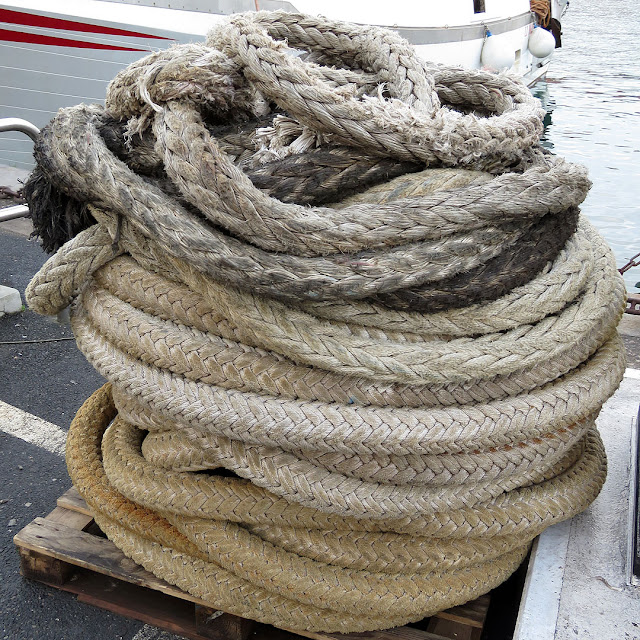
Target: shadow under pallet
[(67, 550)]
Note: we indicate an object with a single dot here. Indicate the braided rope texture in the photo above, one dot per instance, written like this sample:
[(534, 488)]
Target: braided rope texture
[(355, 331)]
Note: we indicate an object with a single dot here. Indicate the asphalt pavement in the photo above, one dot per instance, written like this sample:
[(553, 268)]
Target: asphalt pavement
[(43, 374)]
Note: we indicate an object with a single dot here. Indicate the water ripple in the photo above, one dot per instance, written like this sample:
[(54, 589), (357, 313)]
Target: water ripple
[(592, 95)]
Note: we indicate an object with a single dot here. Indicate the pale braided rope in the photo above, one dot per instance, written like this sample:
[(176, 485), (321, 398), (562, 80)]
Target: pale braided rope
[(201, 355), (301, 482), (229, 593), (282, 329), (314, 462), (122, 519), (125, 521), (519, 513), (385, 552), (396, 505), (293, 424), (81, 164), (456, 466), (557, 285), (310, 484), (228, 198), (62, 277), (301, 91), (347, 350), (400, 362), (85, 465), (218, 543), (189, 450), (222, 498), (398, 595)]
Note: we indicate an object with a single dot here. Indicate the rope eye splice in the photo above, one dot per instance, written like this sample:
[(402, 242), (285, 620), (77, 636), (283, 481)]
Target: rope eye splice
[(356, 339)]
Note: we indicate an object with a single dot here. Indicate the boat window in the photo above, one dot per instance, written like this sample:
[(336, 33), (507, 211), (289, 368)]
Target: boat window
[(478, 6)]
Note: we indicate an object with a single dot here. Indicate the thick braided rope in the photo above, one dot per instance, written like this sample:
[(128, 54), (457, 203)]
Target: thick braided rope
[(80, 163), (199, 354), (227, 592), (262, 419), (137, 530), (163, 562), (228, 197), (63, 276), (124, 521), (384, 551), (249, 41), (310, 485), (189, 450), (285, 353), (301, 480), (203, 356), (556, 286), (507, 515), (501, 456), (342, 348), (553, 287), (294, 567), (221, 498), (505, 313)]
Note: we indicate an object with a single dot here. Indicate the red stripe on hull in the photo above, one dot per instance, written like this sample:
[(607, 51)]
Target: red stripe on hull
[(34, 20), (32, 38)]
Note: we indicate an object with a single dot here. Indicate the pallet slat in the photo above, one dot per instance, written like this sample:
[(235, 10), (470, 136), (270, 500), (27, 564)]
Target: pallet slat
[(73, 501), (62, 550), (90, 552)]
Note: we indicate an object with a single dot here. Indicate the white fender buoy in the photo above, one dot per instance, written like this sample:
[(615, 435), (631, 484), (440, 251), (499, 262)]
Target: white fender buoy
[(495, 55), (541, 42)]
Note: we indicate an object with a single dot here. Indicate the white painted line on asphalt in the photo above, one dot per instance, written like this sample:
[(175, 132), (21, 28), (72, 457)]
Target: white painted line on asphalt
[(32, 429), (52, 438), (632, 373)]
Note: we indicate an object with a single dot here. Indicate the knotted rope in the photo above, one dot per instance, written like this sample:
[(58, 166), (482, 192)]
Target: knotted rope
[(356, 334)]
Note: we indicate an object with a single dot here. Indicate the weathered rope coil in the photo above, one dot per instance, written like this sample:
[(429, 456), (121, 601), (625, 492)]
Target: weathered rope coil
[(356, 334)]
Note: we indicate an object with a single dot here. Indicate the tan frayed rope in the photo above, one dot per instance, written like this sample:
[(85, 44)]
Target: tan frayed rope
[(287, 432)]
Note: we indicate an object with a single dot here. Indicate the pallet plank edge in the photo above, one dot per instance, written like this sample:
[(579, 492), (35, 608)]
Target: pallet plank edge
[(91, 552)]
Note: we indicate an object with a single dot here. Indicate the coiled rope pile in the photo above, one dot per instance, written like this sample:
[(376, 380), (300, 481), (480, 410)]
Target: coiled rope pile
[(355, 332)]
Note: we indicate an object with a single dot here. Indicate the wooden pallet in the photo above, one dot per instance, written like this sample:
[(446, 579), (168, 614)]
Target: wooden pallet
[(68, 551)]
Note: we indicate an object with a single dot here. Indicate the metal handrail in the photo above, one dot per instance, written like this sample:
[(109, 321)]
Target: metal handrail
[(23, 126), (18, 124)]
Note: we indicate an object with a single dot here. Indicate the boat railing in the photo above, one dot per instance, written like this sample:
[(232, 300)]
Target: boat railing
[(23, 126)]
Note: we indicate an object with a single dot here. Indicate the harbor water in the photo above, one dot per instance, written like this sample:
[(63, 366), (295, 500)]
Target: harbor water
[(592, 96)]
